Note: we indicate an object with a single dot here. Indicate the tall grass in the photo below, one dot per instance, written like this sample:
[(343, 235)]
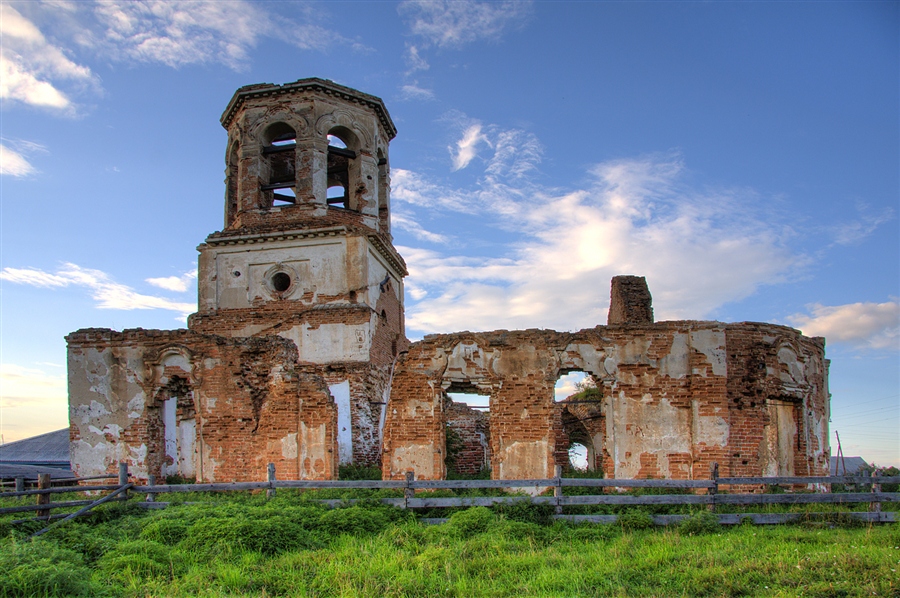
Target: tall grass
[(289, 546)]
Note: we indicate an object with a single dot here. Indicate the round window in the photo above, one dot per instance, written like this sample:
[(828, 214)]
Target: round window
[(281, 282)]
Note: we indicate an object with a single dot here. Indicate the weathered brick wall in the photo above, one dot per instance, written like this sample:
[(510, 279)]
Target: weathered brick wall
[(670, 403), (252, 401), (630, 301)]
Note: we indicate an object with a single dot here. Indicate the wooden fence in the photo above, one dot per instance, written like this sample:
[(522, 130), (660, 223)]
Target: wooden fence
[(703, 492)]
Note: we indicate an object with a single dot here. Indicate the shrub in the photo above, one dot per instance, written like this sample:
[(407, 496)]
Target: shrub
[(524, 511), (353, 520), (634, 519), (471, 521), (40, 568), (166, 531), (358, 472), (143, 558), (267, 535), (703, 522)]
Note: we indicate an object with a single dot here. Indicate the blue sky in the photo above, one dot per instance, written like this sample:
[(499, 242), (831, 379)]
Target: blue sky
[(743, 156)]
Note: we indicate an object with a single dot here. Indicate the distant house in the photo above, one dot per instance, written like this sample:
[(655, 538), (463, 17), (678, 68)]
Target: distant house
[(847, 465), (45, 453)]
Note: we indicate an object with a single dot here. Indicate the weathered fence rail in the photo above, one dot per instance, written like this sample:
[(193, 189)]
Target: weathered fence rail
[(702, 492)]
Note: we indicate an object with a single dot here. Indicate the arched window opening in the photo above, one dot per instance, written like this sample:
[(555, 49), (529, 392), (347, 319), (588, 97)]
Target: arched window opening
[(279, 151), (178, 430), (467, 453), (231, 186), (578, 457), (342, 167), (335, 141), (580, 407)]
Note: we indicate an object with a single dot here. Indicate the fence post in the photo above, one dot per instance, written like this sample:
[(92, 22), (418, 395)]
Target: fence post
[(20, 484), (714, 490), (123, 475), (409, 492), (43, 499), (151, 481), (270, 470), (557, 488), (875, 507)]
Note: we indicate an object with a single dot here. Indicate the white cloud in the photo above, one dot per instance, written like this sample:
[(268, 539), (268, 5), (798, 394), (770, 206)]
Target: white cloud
[(467, 146), (414, 92), (414, 189), (107, 293), (13, 163), (448, 23), (178, 33), (699, 249), (31, 67), (410, 225), (863, 325), (179, 284), (41, 72)]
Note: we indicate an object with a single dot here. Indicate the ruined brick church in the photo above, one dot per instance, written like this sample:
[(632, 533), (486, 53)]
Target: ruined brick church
[(298, 356)]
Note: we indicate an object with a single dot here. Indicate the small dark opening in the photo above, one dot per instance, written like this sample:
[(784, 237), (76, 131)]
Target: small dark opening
[(281, 282)]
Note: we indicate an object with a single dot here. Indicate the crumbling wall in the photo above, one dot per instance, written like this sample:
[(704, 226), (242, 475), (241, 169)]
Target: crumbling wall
[(250, 403), (630, 301), (671, 405)]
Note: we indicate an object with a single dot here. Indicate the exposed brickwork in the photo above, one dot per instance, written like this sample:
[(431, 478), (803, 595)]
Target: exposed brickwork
[(298, 355), (630, 301)]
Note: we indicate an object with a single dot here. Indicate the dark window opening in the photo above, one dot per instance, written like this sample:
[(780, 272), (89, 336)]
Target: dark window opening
[(281, 282)]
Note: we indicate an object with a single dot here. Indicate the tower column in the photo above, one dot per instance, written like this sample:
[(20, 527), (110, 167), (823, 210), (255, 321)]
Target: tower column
[(312, 171)]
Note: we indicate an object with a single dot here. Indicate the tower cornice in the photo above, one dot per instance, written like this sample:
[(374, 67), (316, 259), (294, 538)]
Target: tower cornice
[(260, 90)]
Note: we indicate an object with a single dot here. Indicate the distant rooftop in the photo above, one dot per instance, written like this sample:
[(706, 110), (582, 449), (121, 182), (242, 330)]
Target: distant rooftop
[(852, 464), (49, 450)]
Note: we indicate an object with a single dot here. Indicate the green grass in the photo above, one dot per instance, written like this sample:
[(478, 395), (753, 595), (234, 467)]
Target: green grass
[(288, 546)]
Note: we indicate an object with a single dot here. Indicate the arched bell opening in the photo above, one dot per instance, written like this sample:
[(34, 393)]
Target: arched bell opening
[(343, 168), (279, 168)]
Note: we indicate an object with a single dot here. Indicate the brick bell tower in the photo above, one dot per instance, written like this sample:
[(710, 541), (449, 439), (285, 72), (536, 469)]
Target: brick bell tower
[(306, 252)]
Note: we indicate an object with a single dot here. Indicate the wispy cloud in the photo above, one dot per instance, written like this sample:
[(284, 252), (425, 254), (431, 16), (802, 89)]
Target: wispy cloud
[(861, 325), (415, 61), (182, 33), (412, 226), (698, 248), (40, 70), (13, 163), (108, 293), (856, 229), (32, 68), (452, 23), (412, 91), (467, 146), (178, 284)]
